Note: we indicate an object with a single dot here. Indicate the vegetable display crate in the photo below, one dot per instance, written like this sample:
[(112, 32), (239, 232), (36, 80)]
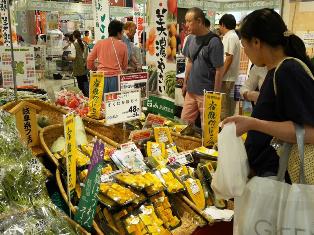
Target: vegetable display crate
[(191, 218), (49, 134), (54, 113)]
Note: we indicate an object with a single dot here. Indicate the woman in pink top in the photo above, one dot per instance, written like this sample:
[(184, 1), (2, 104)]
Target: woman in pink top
[(112, 55)]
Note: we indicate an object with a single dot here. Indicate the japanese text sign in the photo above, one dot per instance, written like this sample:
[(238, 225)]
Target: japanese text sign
[(70, 149), (122, 106), (212, 111), (97, 155), (5, 30), (88, 202), (25, 66), (96, 89), (161, 47), (134, 81), (160, 106), (101, 18), (26, 122)]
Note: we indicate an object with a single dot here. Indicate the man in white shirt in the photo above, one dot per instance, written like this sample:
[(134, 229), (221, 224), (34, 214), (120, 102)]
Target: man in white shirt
[(231, 42)]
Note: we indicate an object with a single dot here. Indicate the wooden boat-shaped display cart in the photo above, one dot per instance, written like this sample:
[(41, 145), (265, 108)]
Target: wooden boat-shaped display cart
[(47, 136)]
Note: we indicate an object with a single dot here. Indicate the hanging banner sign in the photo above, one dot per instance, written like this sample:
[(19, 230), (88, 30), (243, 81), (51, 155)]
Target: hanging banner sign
[(70, 149), (134, 81), (25, 67), (122, 106), (212, 111), (161, 47), (96, 90), (101, 18), (5, 37), (88, 202)]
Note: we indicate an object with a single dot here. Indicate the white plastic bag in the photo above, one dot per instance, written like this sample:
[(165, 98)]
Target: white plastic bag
[(299, 212), (232, 170), (261, 207)]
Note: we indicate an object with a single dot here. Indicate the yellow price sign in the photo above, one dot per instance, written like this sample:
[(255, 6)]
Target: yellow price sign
[(96, 89), (212, 111), (70, 149)]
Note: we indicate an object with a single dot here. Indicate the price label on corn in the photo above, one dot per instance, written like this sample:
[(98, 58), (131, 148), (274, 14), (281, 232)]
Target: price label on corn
[(96, 89), (70, 149), (212, 111)]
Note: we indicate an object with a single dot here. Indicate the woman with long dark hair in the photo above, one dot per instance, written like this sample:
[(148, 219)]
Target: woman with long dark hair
[(286, 96), (79, 63)]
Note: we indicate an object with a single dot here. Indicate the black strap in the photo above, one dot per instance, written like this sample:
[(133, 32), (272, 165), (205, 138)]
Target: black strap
[(205, 43)]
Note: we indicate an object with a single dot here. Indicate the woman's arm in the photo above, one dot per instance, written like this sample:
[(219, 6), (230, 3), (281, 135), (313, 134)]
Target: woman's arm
[(284, 131)]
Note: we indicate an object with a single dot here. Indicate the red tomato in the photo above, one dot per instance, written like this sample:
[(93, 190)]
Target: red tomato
[(61, 101), (73, 103)]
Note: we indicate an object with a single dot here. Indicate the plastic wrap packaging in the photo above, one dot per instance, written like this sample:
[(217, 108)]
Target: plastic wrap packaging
[(25, 207), (7, 95), (36, 220)]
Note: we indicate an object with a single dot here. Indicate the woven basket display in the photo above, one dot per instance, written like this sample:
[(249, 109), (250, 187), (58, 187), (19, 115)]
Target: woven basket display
[(54, 113), (49, 134), (118, 135), (185, 143)]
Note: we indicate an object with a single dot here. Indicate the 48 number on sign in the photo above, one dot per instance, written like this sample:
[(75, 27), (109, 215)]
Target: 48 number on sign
[(134, 110)]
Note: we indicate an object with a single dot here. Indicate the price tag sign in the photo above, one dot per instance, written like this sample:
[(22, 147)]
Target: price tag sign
[(122, 106), (212, 111), (134, 81), (96, 88), (70, 149)]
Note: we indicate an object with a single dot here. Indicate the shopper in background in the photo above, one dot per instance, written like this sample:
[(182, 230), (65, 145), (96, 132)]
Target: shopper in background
[(252, 85), (67, 46), (267, 42), (112, 55), (231, 42), (128, 38), (78, 56), (86, 38), (204, 68)]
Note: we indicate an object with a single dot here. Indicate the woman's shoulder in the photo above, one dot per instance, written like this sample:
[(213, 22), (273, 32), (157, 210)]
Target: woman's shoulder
[(291, 66), (295, 72)]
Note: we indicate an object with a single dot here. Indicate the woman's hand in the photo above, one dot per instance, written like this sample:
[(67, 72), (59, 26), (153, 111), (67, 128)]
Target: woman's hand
[(243, 123)]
